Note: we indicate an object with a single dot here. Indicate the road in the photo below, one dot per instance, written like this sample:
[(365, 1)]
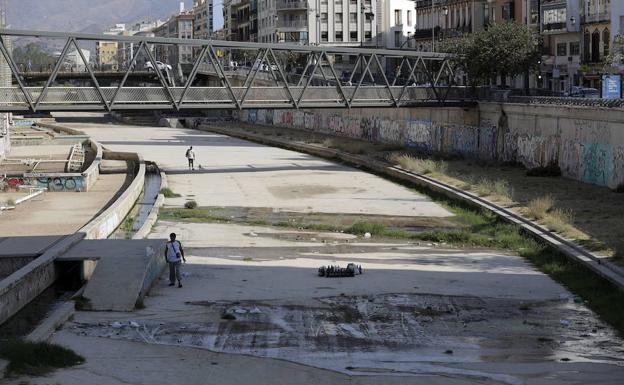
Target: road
[(421, 313)]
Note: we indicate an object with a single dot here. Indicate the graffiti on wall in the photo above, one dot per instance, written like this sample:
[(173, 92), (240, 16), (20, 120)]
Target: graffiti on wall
[(580, 149), (57, 184), (10, 183), (597, 163)]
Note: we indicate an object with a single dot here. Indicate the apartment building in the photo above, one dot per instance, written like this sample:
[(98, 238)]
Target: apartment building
[(179, 26), (203, 23), (442, 19), (106, 51), (596, 43), (560, 28)]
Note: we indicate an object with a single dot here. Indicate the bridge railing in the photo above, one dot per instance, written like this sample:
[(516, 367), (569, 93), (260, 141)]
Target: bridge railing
[(138, 76)]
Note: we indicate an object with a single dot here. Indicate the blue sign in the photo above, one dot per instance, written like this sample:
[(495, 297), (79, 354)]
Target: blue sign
[(611, 86)]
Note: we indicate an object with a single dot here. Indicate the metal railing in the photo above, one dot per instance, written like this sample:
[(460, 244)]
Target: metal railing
[(309, 80), (568, 101), (284, 4), (292, 23)]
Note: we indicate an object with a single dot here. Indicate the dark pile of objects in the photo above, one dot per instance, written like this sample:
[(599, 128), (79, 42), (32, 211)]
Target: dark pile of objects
[(336, 271)]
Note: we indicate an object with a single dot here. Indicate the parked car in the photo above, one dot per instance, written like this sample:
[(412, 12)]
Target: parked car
[(160, 65), (583, 92)]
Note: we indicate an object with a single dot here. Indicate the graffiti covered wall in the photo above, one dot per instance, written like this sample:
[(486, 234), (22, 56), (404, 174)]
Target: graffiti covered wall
[(587, 144)]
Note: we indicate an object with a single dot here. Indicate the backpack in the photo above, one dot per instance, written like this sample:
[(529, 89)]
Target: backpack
[(187, 152)]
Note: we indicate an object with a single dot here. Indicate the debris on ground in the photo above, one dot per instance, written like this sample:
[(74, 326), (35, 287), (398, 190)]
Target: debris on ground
[(336, 271)]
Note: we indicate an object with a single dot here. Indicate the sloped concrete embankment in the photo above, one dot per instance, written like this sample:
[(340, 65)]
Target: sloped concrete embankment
[(24, 285), (586, 143), (605, 269)]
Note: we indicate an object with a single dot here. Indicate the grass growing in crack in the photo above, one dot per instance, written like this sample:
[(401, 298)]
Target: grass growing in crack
[(168, 193), (418, 165), (36, 358), (559, 220), (538, 208), (10, 203)]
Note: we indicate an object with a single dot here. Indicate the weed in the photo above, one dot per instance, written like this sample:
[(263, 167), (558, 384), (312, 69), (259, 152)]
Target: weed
[(168, 193), (10, 203), (559, 220), (36, 358), (418, 165), (538, 208), (190, 205)]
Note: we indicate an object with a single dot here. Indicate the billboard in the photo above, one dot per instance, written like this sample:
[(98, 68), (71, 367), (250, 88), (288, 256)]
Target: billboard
[(611, 86)]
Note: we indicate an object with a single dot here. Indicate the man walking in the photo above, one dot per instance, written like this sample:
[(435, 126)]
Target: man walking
[(190, 155), (174, 255)]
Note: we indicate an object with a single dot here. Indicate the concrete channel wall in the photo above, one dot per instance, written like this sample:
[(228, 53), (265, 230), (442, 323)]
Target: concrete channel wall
[(21, 287), (106, 223), (586, 143)]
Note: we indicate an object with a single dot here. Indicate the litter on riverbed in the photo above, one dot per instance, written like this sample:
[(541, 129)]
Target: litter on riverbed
[(336, 271)]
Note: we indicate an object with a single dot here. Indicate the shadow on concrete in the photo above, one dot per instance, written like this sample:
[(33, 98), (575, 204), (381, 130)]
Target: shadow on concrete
[(250, 168)]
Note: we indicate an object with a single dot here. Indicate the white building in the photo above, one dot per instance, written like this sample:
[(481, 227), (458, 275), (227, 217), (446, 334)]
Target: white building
[(398, 21), (350, 23)]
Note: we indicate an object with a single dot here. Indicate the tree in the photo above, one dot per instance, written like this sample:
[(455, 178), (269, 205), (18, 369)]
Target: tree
[(615, 60), (506, 48), (34, 53)]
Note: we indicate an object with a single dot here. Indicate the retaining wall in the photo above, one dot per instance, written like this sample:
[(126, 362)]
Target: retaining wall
[(106, 223), (586, 143), (24, 285)]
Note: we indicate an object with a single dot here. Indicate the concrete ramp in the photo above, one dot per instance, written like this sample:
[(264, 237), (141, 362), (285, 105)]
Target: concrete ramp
[(124, 272)]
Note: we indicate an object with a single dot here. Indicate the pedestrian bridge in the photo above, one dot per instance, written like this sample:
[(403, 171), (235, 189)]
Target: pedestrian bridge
[(217, 75)]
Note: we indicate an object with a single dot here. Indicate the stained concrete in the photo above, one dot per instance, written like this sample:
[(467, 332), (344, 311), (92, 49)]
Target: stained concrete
[(120, 273), (483, 317), (239, 173)]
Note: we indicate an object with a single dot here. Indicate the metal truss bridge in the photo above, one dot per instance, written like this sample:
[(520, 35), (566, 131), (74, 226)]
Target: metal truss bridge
[(218, 75)]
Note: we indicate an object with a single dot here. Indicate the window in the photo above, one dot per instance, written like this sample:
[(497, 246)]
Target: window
[(605, 41), (324, 17), (338, 35), (575, 48), (353, 36), (409, 18), (338, 18), (508, 11), (324, 37), (323, 2), (353, 17), (398, 17), (562, 49), (353, 2), (398, 37), (368, 36)]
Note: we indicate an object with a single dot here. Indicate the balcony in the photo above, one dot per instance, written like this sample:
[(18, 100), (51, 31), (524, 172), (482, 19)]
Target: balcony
[(602, 17), (283, 5), (292, 24), (555, 27)]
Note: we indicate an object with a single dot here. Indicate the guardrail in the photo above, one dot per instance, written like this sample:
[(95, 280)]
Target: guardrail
[(568, 101)]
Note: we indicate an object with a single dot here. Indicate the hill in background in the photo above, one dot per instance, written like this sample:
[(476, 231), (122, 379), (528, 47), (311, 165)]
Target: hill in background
[(88, 16)]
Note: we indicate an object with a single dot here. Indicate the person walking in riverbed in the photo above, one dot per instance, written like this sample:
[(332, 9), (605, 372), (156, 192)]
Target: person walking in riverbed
[(190, 155), (174, 255)]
